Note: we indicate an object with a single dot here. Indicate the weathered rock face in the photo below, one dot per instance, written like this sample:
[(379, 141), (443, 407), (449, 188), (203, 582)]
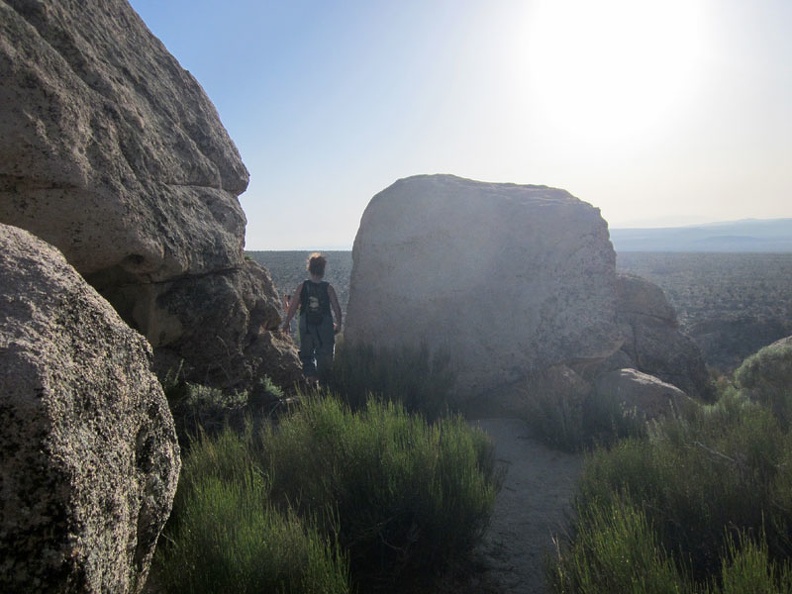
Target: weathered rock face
[(643, 396), (520, 400), (109, 149), (508, 279), (214, 328), (88, 453), (112, 152), (654, 343)]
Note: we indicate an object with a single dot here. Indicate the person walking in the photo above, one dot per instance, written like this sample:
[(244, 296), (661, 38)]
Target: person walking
[(318, 303)]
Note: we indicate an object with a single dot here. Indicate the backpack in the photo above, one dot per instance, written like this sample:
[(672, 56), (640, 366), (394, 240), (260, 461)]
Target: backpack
[(314, 302)]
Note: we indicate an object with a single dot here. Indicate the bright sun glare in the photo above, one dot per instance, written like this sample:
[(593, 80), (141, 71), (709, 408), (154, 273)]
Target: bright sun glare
[(613, 70)]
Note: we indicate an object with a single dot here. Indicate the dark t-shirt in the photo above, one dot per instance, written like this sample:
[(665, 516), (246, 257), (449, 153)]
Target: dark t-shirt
[(315, 301)]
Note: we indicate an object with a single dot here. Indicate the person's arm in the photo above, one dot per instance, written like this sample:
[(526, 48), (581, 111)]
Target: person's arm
[(336, 308), (294, 303)]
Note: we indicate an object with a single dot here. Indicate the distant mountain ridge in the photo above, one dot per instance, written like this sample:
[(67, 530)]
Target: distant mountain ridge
[(749, 235)]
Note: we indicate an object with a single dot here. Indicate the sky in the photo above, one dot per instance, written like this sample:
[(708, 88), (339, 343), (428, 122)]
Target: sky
[(659, 113)]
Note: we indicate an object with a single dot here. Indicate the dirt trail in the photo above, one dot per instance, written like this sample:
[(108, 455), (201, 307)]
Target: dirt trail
[(531, 508)]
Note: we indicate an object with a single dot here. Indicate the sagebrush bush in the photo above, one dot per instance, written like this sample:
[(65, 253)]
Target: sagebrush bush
[(410, 496), (378, 494), (203, 409), (615, 550), (568, 424), (766, 377), (699, 482), (556, 420), (415, 377), (747, 568), (225, 536), (607, 419)]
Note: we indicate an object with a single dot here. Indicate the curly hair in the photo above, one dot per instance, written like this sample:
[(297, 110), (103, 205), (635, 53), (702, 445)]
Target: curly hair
[(316, 264)]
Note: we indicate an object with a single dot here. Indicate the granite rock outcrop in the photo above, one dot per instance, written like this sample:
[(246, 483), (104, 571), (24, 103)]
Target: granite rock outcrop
[(516, 283), (113, 153), (109, 149), (641, 396), (654, 342), (88, 453), (508, 279)]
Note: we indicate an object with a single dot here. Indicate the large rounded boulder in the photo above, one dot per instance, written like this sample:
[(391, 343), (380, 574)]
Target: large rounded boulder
[(507, 279), (88, 454)]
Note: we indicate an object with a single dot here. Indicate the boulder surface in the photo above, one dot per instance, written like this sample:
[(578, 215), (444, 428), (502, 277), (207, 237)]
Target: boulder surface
[(113, 153), (641, 396), (88, 454), (109, 149), (654, 342), (507, 279)]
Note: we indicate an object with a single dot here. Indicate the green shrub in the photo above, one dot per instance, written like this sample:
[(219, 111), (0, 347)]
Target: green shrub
[(766, 377), (748, 569), (700, 503), (699, 480), (410, 497), (421, 381), (562, 422), (380, 493), (197, 408), (225, 536), (615, 550), (607, 420), (556, 420)]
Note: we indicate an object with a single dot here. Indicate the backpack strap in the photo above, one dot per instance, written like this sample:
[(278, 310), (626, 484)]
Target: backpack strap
[(303, 295)]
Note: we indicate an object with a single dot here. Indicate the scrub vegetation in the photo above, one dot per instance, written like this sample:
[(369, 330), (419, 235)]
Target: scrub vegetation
[(326, 497), (698, 504), (417, 379), (374, 486)]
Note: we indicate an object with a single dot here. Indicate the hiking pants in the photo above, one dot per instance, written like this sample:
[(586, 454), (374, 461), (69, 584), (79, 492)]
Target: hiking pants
[(317, 345)]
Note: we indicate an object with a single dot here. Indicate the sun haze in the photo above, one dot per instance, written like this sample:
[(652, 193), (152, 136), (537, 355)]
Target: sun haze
[(614, 71), (656, 112)]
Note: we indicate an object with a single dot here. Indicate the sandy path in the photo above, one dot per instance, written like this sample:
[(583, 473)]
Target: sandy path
[(531, 507)]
